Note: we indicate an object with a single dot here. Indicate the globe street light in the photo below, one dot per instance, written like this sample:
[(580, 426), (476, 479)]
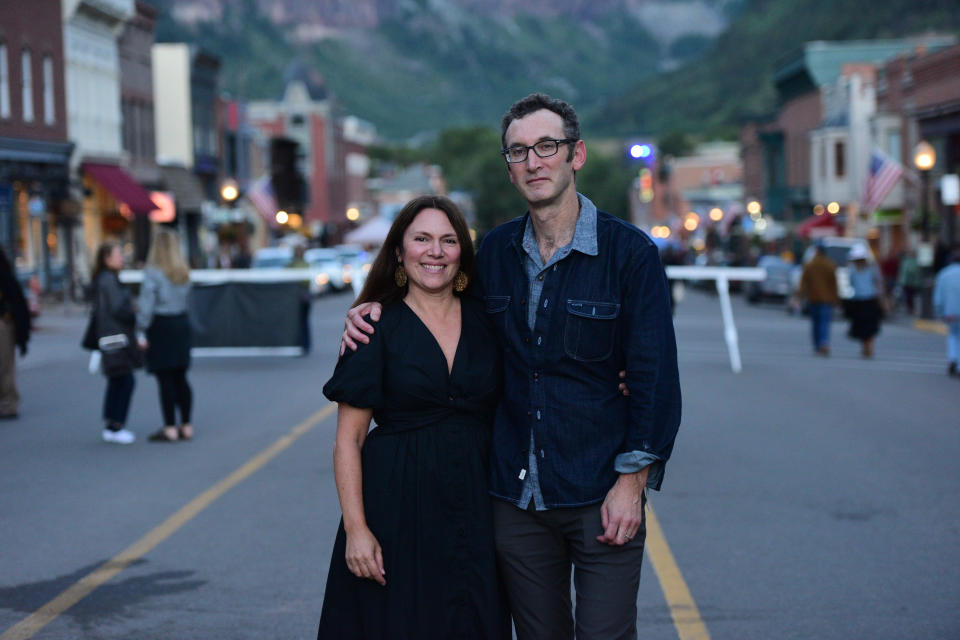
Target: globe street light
[(229, 191), (924, 157)]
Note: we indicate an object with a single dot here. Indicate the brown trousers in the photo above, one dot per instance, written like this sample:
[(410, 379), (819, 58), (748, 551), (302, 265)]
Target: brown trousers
[(9, 398)]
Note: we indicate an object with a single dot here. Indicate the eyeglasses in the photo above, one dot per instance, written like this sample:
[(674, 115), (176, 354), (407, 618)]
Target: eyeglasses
[(543, 149)]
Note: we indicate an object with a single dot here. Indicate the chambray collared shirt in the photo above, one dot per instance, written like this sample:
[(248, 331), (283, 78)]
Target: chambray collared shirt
[(584, 241)]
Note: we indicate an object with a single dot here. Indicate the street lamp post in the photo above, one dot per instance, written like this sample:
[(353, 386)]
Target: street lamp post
[(924, 157), (229, 191)]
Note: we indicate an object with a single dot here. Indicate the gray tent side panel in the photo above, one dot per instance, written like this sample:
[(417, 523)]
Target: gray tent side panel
[(246, 314)]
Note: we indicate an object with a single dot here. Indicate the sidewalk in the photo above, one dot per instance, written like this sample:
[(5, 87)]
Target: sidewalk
[(56, 336), (927, 325)]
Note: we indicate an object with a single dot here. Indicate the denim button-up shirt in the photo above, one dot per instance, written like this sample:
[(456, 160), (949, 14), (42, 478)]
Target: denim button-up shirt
[(596, 315)]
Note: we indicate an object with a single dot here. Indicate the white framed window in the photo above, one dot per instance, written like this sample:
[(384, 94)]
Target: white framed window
[(893, 144), (26, 75), (4, 82), (49, 113)]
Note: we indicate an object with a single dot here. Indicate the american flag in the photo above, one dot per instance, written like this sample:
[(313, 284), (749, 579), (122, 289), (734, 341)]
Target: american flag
[(261, 195), (884, 173)]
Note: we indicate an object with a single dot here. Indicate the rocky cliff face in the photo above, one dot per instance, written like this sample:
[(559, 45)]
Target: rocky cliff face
[(414, 65), (325, 15)]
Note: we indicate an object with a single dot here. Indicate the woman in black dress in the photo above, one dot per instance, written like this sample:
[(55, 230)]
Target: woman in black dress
[(414, 555)]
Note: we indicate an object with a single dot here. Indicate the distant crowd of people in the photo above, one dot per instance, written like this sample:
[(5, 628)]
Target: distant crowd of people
[(876, 289), (818, 285)]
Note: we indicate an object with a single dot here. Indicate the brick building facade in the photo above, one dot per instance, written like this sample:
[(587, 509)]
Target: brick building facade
[(918, 98), (34, 147)]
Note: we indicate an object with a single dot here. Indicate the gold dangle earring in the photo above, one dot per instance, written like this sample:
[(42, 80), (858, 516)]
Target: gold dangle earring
[(460, 281), (400, 276)]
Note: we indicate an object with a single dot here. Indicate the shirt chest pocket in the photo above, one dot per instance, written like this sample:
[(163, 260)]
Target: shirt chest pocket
[(496, 308), (589, 329)]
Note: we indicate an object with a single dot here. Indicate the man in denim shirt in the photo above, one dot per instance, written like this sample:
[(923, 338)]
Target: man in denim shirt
[(577, 296)]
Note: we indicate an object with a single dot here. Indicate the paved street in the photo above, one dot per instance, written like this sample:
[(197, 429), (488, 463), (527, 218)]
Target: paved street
[(807, 498)]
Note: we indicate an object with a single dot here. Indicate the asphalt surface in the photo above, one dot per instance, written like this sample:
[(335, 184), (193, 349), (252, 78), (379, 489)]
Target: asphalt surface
[(808, 497)]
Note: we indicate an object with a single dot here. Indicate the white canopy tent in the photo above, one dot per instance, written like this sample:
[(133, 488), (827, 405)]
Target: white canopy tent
[(371, 232)]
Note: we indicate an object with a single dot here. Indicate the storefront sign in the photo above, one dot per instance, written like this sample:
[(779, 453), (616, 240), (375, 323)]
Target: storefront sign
[(950, 189), (36, 206)]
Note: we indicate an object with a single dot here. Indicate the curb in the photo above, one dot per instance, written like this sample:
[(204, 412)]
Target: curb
[(930, 326)]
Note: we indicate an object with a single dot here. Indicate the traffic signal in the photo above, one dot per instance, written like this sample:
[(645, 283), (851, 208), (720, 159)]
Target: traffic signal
[(645, 184), (644, 154)]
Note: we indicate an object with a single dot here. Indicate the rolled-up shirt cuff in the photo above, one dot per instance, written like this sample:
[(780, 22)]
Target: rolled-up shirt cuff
[(633, 461)]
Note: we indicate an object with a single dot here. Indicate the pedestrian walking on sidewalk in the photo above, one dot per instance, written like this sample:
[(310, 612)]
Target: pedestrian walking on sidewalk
[(303, 308), (865, 305), (946, 304), (909, 279), (818, 284), (14, 332), (111, 331), (164, 329)]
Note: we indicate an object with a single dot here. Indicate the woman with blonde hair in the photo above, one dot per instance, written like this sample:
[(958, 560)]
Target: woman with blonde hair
[(162, 316)]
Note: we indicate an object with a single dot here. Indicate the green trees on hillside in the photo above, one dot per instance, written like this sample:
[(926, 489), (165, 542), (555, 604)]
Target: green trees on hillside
[(471, 162), (733, 78)]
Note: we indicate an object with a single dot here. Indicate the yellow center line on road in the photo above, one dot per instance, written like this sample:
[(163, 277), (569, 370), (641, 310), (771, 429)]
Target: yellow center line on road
[(43, 616), (683, 610)]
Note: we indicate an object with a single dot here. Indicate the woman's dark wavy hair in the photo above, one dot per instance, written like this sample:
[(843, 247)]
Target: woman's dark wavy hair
[(100, 262), (380, 285)]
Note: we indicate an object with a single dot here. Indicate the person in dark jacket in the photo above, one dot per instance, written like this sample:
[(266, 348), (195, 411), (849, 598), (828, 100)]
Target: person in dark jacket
[(14, 332), (112, 327), (299, 262)]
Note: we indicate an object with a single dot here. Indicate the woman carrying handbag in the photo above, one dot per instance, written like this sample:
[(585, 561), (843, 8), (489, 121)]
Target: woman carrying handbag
[(111, 331)]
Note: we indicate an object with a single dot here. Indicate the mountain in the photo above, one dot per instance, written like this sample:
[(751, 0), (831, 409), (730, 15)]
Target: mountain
[(733, 78), (411, 66)]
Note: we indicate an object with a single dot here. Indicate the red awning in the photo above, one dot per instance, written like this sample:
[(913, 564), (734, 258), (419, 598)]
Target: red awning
[(823, 223), (119, 183)]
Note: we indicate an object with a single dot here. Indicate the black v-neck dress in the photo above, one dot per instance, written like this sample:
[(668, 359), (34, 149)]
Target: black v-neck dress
[(424, 485)]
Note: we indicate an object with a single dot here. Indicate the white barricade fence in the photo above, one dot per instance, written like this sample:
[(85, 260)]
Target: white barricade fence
[(232, 315), (722, 276)]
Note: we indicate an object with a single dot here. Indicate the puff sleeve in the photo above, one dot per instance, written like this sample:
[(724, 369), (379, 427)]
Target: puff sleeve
[(358, 377)]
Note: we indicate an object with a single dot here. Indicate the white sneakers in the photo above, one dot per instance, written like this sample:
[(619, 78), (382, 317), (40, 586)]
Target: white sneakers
[(123, 436)]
